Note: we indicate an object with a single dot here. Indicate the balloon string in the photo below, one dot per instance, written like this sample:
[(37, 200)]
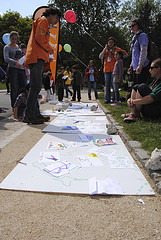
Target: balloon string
[(90, 35), (78, 59)]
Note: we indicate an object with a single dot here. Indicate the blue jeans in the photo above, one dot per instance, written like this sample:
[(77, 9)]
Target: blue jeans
[(36, 70), (108, 84), (94, 88), (18, 80)]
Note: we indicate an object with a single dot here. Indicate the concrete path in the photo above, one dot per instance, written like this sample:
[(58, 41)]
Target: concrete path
[(31, 216)]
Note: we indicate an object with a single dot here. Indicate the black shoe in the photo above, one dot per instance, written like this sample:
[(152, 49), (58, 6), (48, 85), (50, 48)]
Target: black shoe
[(33, 120), (72, 100), (45, 118), (89, 98)]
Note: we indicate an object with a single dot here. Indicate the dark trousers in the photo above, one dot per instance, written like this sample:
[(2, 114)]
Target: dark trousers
[(94, 88), (76, 90), (60, 94), (36, 70), (67, 90), (142, 77), (18, 80), (7, 83), (152, 110)]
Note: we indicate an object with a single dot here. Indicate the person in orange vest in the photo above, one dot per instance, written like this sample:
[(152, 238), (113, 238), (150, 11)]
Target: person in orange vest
[(109, 62), (37, 54)]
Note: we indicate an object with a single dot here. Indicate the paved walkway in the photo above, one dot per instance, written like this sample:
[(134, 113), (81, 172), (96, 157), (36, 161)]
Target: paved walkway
[(9, 130), (29, 215)]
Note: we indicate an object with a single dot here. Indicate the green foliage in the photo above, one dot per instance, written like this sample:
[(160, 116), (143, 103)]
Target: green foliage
[(145, 132), (94, 17), (149, 13)]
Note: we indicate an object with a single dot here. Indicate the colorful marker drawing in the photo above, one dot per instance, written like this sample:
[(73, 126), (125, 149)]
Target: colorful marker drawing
[(56, 146), (103, 142), (59, 169), (49, 156)]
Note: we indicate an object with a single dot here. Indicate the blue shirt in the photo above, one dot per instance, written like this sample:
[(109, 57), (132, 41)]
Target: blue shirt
[(91, 76), (138, 41)]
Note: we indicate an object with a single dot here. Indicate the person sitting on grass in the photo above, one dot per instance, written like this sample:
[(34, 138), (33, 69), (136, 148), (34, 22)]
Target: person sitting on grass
[(146, 99)]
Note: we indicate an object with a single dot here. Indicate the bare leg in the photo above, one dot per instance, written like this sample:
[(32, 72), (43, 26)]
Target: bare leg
[(135, 109)]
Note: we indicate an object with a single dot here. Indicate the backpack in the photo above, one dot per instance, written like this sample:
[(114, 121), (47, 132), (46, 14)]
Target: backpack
[(153, 51)]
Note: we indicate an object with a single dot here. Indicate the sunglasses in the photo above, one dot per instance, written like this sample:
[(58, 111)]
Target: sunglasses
[(133, 25), (151, 68)]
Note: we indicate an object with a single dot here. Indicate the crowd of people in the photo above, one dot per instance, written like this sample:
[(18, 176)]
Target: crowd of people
[(26, 74)]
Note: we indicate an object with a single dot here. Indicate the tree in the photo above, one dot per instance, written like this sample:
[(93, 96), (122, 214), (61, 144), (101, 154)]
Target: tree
[(94, 18), (149, 13)]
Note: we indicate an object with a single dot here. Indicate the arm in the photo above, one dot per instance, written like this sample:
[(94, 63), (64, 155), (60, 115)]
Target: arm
[(10, 60), (125, 54), (42, 36), (87, 72), (101, 55), (142, 58), (143, 43), (141, 101), (95, 71)]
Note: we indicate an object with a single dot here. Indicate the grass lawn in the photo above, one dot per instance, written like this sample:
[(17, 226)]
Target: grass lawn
[(2, 86), (148, 133)]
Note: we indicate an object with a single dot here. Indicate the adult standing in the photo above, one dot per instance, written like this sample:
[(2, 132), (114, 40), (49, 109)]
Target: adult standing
[(38, 50), (16, 72), (76, 83), (139, 66), (109, 62), (91, 74)]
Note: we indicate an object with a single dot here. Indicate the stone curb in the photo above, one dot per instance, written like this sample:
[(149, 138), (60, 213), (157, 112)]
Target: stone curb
[(134, 147)]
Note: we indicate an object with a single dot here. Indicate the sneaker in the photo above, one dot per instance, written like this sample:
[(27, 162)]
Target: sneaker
[(45, 118), (33, 120), (115, 103), (131, 118), (125, 115)]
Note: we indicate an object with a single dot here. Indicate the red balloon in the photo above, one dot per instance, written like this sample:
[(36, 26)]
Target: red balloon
[(70, 16)]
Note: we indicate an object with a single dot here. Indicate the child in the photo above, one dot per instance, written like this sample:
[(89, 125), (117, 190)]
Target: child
[(117, 75), (46, 81), (60, 84), (68, 81), (20, 104), (76, 83)]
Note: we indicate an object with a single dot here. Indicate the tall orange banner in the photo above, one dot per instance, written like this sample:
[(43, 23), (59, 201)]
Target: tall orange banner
[(54, 43)]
